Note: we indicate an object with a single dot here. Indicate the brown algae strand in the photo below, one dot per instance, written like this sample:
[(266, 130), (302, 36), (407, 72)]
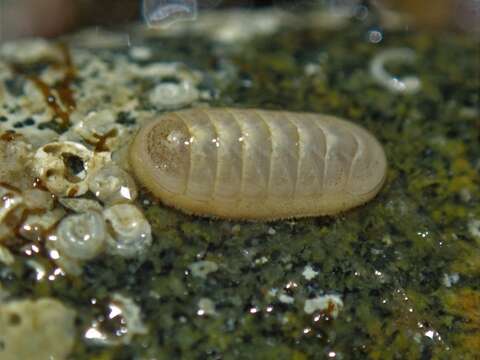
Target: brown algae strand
[(257, 164)]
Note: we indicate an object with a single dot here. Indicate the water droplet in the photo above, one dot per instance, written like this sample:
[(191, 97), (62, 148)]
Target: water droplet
[(375, 36)]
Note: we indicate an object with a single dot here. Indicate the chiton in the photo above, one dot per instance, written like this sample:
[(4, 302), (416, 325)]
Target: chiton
[(257, 164)]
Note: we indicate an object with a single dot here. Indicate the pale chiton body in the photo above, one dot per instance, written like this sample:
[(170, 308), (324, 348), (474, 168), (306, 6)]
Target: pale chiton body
[(257, 164)]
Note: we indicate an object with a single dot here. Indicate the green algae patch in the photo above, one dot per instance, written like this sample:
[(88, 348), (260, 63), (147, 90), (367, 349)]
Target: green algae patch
[(464, 307)]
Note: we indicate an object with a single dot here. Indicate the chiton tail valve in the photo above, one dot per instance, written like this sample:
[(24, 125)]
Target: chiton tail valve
[(257, 165)]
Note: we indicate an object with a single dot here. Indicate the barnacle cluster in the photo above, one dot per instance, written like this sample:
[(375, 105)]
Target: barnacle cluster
[(119, 230), (111, 223), (66, 194), (65, 189), (71, 196), (64, 181)]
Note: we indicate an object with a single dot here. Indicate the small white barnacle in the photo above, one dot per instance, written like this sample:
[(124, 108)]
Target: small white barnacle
[(37, 199), (176, 84), (36, 225), (64, 167), (171, 95), (257, 164), (408, 84), (81, 236), (111, 185), (130, 232), (100, 130)]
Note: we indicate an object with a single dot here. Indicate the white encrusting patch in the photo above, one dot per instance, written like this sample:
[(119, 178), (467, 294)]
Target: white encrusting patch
[(331, 304), (308, 272)]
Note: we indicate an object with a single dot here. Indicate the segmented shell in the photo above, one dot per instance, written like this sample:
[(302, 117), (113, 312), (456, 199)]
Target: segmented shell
[(257, 164)]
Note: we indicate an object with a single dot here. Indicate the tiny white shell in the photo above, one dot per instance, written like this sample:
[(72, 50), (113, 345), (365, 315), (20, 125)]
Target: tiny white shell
[(409, 84), (36, 199), (51, 166), (131, 230), (111, 184), (173, 96), (35, 226), (81, 236)]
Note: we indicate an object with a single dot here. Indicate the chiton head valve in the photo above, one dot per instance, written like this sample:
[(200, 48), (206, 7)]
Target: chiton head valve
[(257, 164)]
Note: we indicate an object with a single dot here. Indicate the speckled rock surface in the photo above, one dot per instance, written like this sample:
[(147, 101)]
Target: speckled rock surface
[(396, 278)]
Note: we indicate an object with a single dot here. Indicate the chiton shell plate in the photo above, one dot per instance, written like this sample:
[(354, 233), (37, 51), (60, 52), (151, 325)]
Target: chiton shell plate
[(257, 164)]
